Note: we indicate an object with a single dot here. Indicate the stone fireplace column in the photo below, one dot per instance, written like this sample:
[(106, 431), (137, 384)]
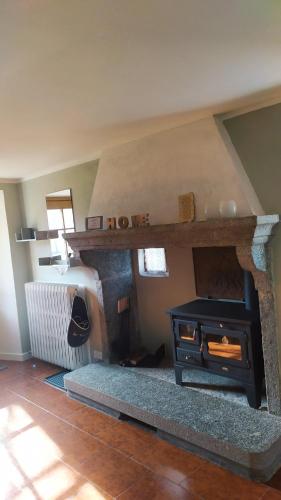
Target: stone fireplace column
[(119, 335), (257, 259)]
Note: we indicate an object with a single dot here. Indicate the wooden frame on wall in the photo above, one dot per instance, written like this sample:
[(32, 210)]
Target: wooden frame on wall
[(94, 223)]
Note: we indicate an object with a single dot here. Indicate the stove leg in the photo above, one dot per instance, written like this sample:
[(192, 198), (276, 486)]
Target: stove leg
[(254, 396), (178, 372)]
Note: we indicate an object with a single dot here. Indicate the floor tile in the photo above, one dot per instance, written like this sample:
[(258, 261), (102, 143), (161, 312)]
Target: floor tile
[(275, 481), (12, 478), (37, 369), (87, 491), (53, 447), (91, 420), (59, 404), (168, 461), (272, 494), (33, 451), (26, 493), (127, 438), (43, 395), (112, 471), (156, 488), (212, 482), (76, 449), (23, 385), (7, 375), (7, 399), (16, 415), (58, 482)]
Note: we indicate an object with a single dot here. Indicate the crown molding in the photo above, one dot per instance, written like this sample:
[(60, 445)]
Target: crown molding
[(10, 181), (266, 103)]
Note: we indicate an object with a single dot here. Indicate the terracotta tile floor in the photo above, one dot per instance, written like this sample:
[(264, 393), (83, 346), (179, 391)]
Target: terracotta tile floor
[(55, 448)]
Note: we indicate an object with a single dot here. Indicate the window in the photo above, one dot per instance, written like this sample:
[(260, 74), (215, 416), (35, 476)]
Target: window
[(152, 262), (60, 217)]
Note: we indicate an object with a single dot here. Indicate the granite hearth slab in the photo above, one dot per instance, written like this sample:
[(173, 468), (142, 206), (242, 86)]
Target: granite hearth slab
[(245, 440), (204, 382)]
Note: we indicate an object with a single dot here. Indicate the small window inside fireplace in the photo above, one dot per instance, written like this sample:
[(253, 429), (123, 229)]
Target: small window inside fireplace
[(152, 262)]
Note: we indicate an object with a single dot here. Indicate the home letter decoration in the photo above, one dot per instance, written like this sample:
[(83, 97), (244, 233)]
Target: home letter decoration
[(111, 223), (123, 222), (140, 220)]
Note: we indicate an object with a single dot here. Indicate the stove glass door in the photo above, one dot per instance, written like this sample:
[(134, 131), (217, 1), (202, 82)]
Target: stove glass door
[(186, 331), (223, 345)]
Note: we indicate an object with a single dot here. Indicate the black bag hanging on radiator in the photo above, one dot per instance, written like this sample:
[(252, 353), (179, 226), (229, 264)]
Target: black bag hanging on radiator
[(79, 326)]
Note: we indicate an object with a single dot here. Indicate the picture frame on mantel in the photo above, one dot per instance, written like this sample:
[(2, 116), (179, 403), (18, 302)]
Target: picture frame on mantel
[(94, 223), (186, 207)]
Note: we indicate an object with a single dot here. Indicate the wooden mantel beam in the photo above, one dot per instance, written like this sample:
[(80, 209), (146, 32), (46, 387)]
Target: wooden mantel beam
[(219, 232)]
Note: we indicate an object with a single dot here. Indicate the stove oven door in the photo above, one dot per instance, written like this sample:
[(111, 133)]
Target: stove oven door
[(187, 332), (225, 346)]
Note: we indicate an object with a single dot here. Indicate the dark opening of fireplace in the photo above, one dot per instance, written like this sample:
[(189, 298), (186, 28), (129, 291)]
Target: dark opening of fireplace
[(219, 276)]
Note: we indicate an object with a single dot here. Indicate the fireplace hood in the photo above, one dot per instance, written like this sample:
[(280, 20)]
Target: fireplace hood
[(148, 175)]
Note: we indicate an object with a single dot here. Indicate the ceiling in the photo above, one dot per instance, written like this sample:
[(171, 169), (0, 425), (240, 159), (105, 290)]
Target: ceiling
[(77, 76)]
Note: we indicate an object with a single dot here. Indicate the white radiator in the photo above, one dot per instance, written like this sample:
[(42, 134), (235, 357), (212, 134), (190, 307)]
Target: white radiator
[(49, 312)]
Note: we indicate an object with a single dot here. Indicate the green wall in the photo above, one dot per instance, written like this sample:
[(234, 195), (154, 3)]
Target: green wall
[(80, 179), (20, 256), (26, 206), (256, 137)]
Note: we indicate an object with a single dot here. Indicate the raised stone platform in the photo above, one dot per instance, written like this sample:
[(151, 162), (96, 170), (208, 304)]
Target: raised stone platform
[(238, 437)]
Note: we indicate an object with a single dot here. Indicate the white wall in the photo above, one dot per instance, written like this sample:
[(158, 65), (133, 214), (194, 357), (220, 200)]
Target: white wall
[(10, 336), (157, 295), (147, 175)]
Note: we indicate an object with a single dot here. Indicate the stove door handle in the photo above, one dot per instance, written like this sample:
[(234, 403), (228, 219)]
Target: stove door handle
[(203, 342)]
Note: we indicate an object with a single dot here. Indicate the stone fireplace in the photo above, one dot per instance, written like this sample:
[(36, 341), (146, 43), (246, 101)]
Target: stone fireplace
[(119, 331), (147, 176), (109, 252)]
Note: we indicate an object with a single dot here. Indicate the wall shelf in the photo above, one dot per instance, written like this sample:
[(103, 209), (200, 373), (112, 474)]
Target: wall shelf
[(38, 235)]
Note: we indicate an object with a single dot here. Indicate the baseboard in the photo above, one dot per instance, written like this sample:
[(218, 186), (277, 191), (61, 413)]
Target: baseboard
[(13, 356)]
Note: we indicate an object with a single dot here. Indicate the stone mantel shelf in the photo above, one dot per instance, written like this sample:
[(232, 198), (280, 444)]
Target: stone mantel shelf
[(238, 232)]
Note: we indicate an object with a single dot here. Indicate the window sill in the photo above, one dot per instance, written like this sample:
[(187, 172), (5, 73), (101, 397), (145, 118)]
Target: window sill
[(147, 274)]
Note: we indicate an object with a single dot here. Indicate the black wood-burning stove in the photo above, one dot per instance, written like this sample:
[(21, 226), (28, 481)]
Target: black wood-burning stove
[(221, 336)]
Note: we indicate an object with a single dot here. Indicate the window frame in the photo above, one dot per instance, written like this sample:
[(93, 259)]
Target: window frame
[(64, 230), (150, 274)]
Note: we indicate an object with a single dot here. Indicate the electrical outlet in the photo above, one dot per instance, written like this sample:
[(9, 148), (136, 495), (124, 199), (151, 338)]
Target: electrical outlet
[(122, 304)]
